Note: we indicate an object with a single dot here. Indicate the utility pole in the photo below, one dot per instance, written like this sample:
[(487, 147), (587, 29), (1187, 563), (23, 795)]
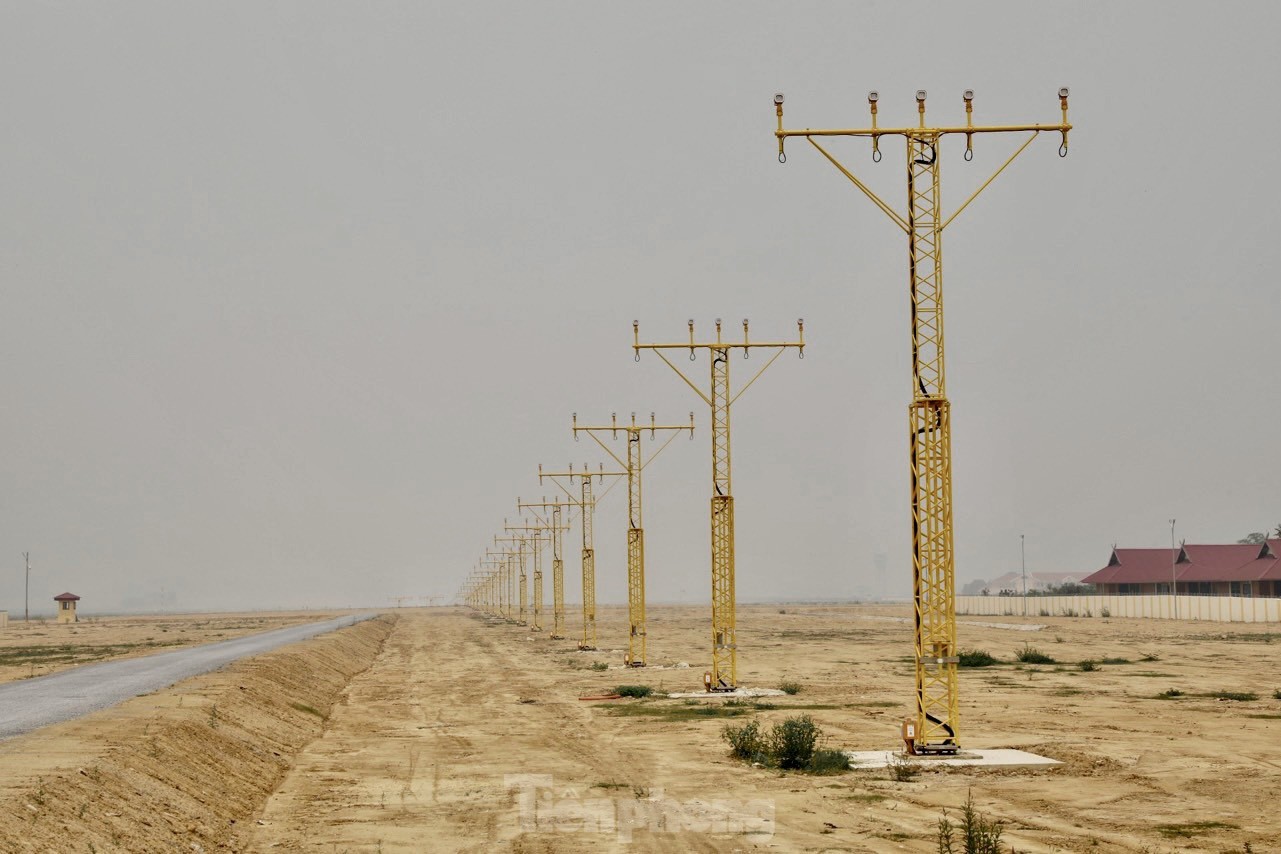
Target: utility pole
[(497, 563), (587, 513), (26, 594), (1023, 561), (934, 729), (1174, 574), (724, 673), (634, 465), (557, 528), (519, 542), (535, 540)]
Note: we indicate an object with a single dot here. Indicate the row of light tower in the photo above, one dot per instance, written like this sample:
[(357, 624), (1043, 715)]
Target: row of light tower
[(934, 729), (490, 587)]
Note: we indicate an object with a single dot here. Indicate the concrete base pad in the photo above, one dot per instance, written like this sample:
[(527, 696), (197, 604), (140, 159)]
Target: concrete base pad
[(999, 758), (738, 694)]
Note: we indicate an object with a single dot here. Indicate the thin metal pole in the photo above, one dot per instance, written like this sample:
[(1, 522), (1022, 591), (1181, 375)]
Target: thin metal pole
[(1023, 560), (26, 593), (1174, 565)]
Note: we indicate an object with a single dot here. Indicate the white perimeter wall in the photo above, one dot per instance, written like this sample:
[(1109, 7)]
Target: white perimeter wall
[(1219, 609)]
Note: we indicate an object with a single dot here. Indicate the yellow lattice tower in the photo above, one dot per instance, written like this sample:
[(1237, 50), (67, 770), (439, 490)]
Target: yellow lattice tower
[(935, 727), (497, 563), (553, 522), (520, 546), (504, 562), (724, 673), (586, 503), (634, 465), (534, 540)]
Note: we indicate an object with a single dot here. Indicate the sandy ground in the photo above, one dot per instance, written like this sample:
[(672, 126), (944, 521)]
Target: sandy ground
[(41, 647), (468, 734), (184, 769), (437, 730)]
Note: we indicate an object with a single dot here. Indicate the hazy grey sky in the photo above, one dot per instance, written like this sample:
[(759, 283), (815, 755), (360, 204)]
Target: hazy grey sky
[(297, 295)]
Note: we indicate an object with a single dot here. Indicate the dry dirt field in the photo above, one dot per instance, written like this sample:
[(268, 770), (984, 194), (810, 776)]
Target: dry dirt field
[(438, 730)]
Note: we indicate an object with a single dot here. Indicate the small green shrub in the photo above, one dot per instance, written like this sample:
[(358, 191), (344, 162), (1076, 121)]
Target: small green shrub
[(1044, 612), (790, 688), (1105, 612), (745, 742), (792, 742), (1150, 656), (1276, 695), (825, 762), (1116, 661), (902, 769), (1089, 665), (1169, 694), (599, 666), (978, 834), (1239, 696), (976, 658), (633, 690), (1031, 655)]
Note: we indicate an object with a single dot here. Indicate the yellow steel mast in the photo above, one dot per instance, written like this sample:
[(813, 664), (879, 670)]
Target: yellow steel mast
[(532, 539), (724, 673), (634, 465), (557, 528), (935, 728), (501, 562), (587, 510), (520, 543)]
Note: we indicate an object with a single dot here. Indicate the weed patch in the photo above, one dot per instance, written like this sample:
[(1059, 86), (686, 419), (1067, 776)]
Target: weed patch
[(1192, 828), (1031, 655)]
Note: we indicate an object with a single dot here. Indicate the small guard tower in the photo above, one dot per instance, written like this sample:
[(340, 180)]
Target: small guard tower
[(67, 607)]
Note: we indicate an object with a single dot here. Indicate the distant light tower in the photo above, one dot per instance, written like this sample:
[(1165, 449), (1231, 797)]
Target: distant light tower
[(1023, 560), (26, 593)]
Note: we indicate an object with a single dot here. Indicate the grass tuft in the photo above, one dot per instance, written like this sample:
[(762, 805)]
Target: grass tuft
[(1031, 655), (976, 658), (633, 690)]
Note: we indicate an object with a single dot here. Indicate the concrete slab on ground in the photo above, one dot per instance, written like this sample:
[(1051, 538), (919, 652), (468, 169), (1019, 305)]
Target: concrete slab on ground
[(997, 758), (739, 693)]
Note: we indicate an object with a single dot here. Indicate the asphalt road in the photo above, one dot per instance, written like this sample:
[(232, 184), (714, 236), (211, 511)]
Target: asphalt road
[(33, 703)]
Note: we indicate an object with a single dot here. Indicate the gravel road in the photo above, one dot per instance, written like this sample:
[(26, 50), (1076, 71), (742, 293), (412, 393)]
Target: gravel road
[(44, 700)]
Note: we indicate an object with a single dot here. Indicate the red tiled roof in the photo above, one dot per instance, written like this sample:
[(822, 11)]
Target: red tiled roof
[(66, 597), (1220, 562)]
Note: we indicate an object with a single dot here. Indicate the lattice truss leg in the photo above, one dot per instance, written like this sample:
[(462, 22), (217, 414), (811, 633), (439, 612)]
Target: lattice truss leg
[(589, 567), (538, 588), (931, 459), (558, 577), (724, 640), (636, 646)]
